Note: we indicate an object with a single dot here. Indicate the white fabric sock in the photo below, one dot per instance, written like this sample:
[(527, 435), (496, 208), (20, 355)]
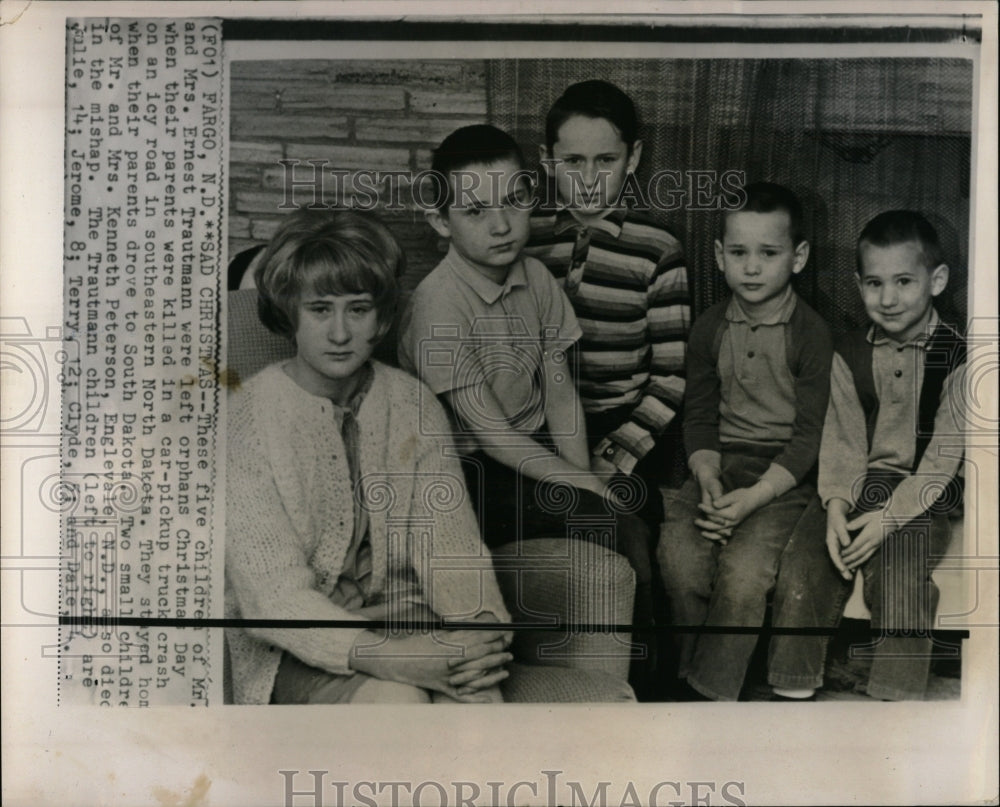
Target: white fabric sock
[(794, 693)]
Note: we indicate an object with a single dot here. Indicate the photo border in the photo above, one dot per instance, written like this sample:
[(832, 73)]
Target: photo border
[(125, 756)]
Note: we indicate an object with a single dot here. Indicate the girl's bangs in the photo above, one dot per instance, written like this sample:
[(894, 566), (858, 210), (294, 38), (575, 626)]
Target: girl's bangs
[(326, 270)]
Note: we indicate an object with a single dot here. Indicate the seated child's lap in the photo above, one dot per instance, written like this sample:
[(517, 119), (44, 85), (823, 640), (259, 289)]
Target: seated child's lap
[(515, 507), (738, 471), (771, 526), (299, 683)]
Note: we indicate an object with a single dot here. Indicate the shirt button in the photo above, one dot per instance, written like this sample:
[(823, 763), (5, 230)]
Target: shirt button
[(609, 452), (898, 373), (750, 354)]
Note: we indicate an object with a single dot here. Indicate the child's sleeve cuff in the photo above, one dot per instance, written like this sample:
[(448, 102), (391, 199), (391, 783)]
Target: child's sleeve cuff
[(617, 455)]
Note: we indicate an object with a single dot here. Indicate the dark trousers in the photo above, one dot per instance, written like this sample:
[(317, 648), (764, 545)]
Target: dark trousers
[(513, 507), (663, 465)]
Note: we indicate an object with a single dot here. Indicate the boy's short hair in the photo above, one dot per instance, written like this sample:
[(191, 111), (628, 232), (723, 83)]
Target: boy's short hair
[(593, 99), (327, 252), (769, 197), (480, 144), (899, 227)]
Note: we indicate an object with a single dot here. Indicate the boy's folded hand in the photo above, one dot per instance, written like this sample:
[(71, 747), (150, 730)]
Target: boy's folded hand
[(711, 525), (714, 533), (867, 541), (710, 484), (728, 510)]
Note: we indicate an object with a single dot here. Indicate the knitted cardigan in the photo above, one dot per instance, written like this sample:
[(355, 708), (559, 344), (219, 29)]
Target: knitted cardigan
[(289, 518)]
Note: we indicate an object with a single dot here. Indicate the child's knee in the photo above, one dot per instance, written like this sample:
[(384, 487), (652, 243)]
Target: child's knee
[(681, 505), (744, 585), (684, 553), (378, 691)]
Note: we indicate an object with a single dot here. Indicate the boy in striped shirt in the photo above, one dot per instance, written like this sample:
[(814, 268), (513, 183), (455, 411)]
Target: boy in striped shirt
[(625, 277)]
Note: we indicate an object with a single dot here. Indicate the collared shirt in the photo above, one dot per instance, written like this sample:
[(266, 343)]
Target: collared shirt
[(845, 455), (610, 220), (462, 329), (626, 278), (757, 403), (898, 371), (744, 387), (758, 391)]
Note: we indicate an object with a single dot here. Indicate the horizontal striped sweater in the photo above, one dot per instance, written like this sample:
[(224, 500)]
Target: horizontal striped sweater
[(634, 307)]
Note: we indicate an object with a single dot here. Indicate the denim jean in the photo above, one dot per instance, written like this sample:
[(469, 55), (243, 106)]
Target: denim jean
[(902, 598), (724, 586), (897, 588), (810, 593)]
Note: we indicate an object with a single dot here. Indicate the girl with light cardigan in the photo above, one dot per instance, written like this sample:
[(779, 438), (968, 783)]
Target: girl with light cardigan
[(345, 504)]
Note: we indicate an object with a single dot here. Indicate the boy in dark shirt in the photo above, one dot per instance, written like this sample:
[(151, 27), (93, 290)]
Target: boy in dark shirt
[(757, 389)]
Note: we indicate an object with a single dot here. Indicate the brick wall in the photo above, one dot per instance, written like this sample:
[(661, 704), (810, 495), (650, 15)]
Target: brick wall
[(354, 116)]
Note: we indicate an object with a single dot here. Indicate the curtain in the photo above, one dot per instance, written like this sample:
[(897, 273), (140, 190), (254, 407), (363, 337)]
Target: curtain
[(852, 137)]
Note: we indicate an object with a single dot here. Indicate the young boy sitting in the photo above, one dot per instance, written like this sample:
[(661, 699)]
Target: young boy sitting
[(891, 449), (757, 388), (316, 446), (626, 278), (491, 332)]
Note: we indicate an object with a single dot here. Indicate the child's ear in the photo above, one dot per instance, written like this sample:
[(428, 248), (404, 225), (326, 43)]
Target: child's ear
[(719, 254), (939, 279), (801, 257), (633, 158), (439, 221)]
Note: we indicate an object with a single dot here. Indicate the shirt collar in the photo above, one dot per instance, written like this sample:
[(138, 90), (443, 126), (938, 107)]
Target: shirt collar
[(364, 385), (610, 222), (781, 315), (489, 291), (877, 336)]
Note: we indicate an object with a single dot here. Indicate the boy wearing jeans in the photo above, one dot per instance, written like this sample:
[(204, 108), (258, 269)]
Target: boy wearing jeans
[(891, 449), (757, 389)]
